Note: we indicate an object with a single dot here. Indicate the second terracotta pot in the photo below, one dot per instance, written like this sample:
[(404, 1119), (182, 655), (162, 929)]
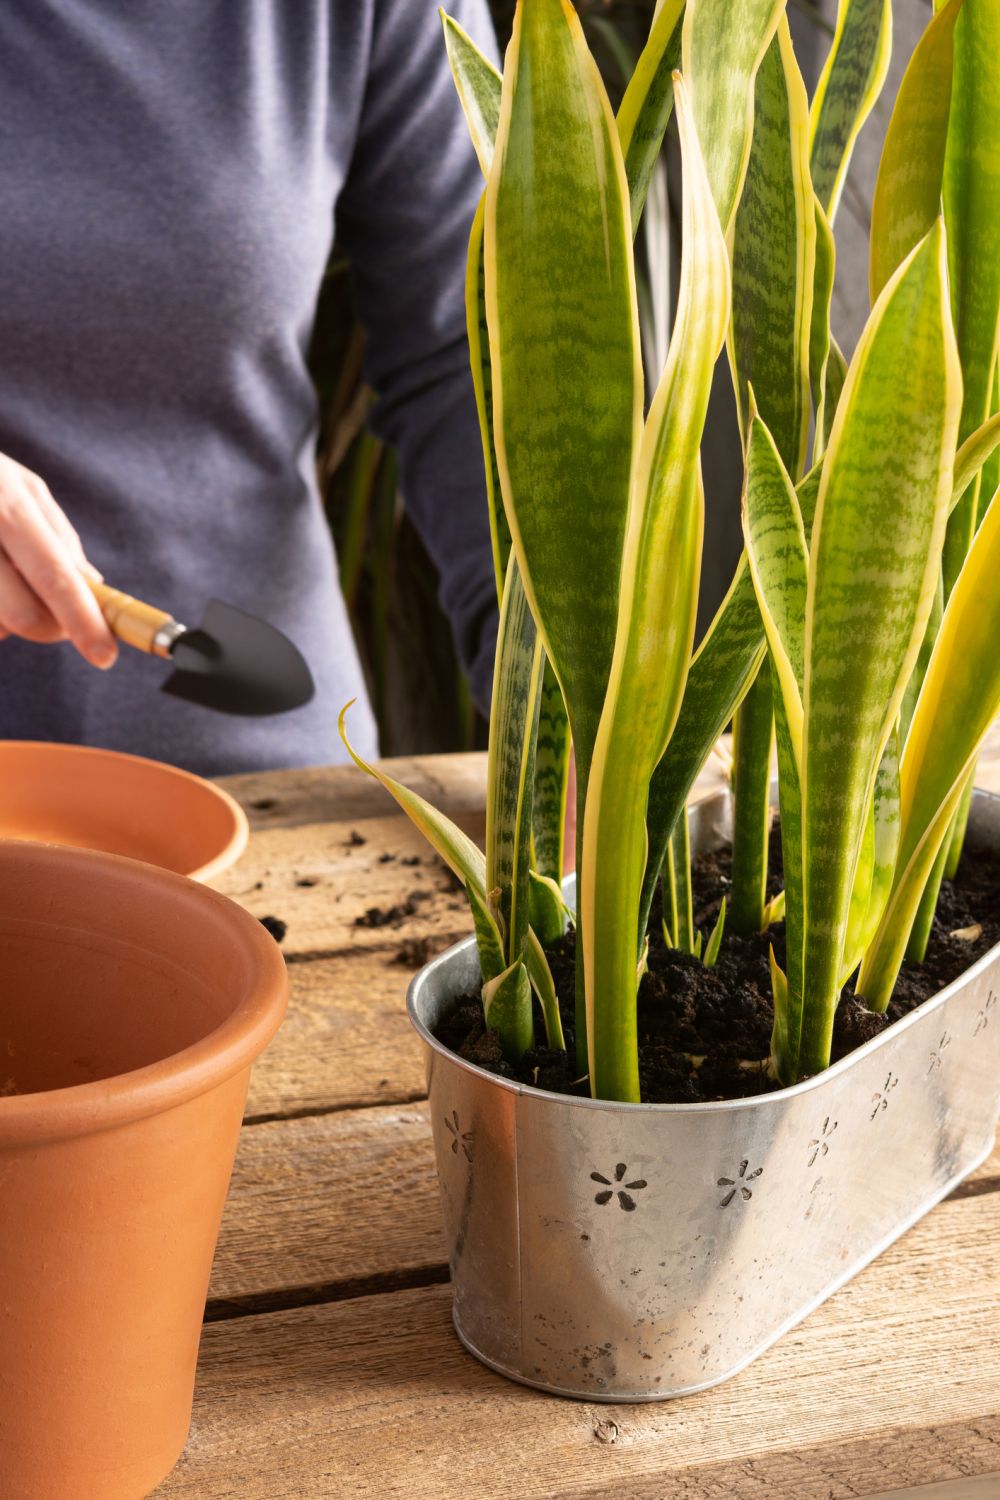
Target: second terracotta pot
[(132, 1005)]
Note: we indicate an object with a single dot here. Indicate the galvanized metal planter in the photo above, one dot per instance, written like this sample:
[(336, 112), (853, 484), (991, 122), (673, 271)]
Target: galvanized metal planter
[(635, 1252)]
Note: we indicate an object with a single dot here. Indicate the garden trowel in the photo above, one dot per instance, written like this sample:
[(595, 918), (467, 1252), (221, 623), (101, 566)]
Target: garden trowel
[(233, 662)]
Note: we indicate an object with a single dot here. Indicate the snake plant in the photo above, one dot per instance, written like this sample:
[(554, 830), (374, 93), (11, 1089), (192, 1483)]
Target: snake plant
[(863, 614)]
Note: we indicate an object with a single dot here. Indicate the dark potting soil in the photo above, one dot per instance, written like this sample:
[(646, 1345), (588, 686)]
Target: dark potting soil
[(723, 1016)]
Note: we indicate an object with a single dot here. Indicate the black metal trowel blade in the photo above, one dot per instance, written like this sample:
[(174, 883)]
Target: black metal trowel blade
[(238, 664)]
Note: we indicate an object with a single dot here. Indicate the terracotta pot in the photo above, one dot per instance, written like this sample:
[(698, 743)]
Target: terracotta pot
[(122, 804), (132, 1005)]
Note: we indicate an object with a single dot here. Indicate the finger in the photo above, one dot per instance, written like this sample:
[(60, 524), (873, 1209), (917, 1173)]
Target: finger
[(61, 525), (21, 611), (47, 566)]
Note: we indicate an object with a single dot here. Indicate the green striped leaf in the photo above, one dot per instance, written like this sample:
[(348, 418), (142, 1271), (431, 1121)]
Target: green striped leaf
[(722, 48), (642, 118), (908, 189), (973, 456), (655, 629), (549, 911), (875, 551), (774, 259), (990, 474), (887, 832), (648, 103), (776, 548), (836, 376), (677, 875), (857, 911), (820, 339), (779, 562), (715, 940), (479, 87), (482, 383), (548, 816), (544, 987), (972, 214), (750, 786), (507, 1004), (959, 700), (774, 269), (468, 862), (807, 495), (724, 666), (489, 939), (517, 691), (457, 850), (722, 669), (564, 347), (849, 85), (913, 687)]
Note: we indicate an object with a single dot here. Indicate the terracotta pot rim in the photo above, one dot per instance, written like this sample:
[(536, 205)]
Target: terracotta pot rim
[(237, 842), (107, 1103)]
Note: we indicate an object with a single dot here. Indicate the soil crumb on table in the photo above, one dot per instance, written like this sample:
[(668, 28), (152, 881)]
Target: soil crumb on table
[(705, 1034)]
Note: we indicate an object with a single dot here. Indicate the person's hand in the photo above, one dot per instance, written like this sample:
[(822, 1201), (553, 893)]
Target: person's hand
[(42, 593)]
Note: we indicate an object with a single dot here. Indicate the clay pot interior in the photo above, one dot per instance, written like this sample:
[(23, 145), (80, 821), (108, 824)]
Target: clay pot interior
[(98, 987), (61, 1025), (120, 804)]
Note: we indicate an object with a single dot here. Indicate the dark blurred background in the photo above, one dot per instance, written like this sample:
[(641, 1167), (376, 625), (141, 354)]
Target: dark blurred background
[(419, 693)]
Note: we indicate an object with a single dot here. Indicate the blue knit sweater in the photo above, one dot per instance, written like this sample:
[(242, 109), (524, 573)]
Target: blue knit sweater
[(171, 178)]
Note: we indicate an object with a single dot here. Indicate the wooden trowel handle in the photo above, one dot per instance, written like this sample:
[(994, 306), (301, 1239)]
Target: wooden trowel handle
[(137, 624)]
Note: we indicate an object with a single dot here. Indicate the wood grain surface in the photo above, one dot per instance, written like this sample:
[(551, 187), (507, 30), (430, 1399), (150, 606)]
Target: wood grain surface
[(329, 1366)]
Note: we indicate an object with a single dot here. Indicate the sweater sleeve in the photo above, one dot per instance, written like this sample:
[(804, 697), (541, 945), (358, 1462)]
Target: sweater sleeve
[(404, 217)]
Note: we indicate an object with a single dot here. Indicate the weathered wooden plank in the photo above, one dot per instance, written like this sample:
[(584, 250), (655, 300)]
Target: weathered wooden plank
[(346, 1040), (369, 883), (374, 1397), (342, 794), (329, 1199), (348, 1198), (843, 1471)]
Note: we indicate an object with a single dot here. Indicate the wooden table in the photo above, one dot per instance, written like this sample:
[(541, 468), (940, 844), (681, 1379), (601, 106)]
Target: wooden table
[(329, 1367)]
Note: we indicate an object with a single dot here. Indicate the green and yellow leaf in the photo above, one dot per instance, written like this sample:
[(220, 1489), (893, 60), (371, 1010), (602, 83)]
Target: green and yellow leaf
[(722, 47), (457, 850), (958, 702), (655, 630), (908, 189), (874, 559), (972, 214), (564, 348), (848, 87), (774, 259), (479, 87), (648, 103), (517, 692)]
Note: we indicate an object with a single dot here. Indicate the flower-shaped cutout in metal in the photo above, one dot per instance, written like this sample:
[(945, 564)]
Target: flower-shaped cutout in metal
[(810, 1206), (461, 1140), (880, 1101), (625, 1199), (937, 1057), (983, 1019), (738, 1184), (821, 1145)]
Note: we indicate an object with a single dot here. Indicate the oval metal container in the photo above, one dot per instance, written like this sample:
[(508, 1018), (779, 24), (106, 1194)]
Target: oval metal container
[(636, 1252)]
